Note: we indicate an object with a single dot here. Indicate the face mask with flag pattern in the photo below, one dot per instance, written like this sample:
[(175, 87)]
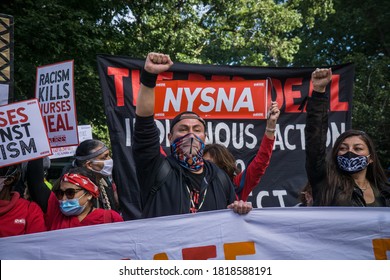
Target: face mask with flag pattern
[(188, 151)]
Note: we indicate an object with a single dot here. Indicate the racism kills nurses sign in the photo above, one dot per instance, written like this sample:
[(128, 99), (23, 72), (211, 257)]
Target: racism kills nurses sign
[(55, 92), (22, 133)]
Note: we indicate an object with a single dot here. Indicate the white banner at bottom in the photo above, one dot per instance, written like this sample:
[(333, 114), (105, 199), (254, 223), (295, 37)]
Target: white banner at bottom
[(300, 233)]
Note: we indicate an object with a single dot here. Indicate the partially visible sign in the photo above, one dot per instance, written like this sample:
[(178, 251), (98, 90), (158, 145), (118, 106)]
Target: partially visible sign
[(55, 92), (22, 133), (84, 132), (4, 94), (212, 99)]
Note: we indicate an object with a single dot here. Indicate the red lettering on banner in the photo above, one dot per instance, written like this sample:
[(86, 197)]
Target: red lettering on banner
[(290, 94), (135, 85), (118, 74), (220, 78), (196, 77), (289, 98), (135, 76), (199, 253), (165, 76), (335, 103), (231, 251)]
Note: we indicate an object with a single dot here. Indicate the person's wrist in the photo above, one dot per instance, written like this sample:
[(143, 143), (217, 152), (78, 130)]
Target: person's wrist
[(269, 129), (319, 89), (148, 79)]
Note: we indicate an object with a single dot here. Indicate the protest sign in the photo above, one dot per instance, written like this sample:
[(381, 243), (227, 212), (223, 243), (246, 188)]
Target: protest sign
[(212, 99), (84, 132), (55, 92), (22, 133)]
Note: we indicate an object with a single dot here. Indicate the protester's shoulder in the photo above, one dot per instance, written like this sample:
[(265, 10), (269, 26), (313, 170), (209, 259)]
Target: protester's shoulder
[(217, 175), (115, 216), (30, 206), (21, 202), (99, 214), (34, 207)]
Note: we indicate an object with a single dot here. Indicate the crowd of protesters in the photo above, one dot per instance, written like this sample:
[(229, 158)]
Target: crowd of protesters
[(197, 177)]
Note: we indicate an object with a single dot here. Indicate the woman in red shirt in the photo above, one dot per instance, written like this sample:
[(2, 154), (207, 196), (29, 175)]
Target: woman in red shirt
[(17, 215), (70, 204), (224, 159)]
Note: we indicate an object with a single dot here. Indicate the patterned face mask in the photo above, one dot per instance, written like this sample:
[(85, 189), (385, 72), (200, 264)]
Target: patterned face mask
[(352, 163), (188, 151)]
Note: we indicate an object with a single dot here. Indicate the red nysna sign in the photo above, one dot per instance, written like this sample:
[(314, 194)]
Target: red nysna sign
[(212, 99)]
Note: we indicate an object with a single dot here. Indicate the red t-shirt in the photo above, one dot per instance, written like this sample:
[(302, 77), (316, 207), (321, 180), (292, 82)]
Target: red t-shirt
[(56, 220), (20, 216)]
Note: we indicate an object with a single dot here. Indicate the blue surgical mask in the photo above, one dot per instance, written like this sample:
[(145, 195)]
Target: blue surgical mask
[(188, 151), (107, 167), (352, 163), (72, 207)]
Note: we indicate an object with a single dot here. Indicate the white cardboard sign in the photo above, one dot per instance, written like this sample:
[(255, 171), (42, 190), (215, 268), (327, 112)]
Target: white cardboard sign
[(22, 133), (55, 92)]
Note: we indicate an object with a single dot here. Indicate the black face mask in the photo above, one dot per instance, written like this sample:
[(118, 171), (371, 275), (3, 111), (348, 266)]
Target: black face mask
[(352, 163)]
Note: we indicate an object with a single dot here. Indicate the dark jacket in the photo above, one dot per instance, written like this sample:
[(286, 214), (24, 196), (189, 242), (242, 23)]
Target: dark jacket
[(315, 136), (166, 193)]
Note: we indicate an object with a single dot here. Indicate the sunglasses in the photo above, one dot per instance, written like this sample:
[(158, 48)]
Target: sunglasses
[(70, 193)]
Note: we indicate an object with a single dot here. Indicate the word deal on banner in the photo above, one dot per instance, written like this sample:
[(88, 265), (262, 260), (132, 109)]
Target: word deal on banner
[(22, 133), (55, 93), (212, 99)]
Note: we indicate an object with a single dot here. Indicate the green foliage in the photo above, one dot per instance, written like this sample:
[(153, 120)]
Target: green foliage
[(357, 33)]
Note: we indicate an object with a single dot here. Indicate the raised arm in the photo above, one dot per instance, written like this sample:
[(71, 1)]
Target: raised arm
[(316, 131), (256, 169), (37, 188), (273, 115), (146, 142), (155, 64)]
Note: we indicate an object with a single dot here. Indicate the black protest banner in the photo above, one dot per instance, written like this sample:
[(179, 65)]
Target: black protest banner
[(285, 176)]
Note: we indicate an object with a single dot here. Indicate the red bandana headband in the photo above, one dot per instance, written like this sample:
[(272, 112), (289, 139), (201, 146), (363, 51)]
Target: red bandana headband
[(81, 181)]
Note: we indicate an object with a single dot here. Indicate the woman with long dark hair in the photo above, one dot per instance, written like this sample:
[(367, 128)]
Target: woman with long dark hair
[(352, 174)]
